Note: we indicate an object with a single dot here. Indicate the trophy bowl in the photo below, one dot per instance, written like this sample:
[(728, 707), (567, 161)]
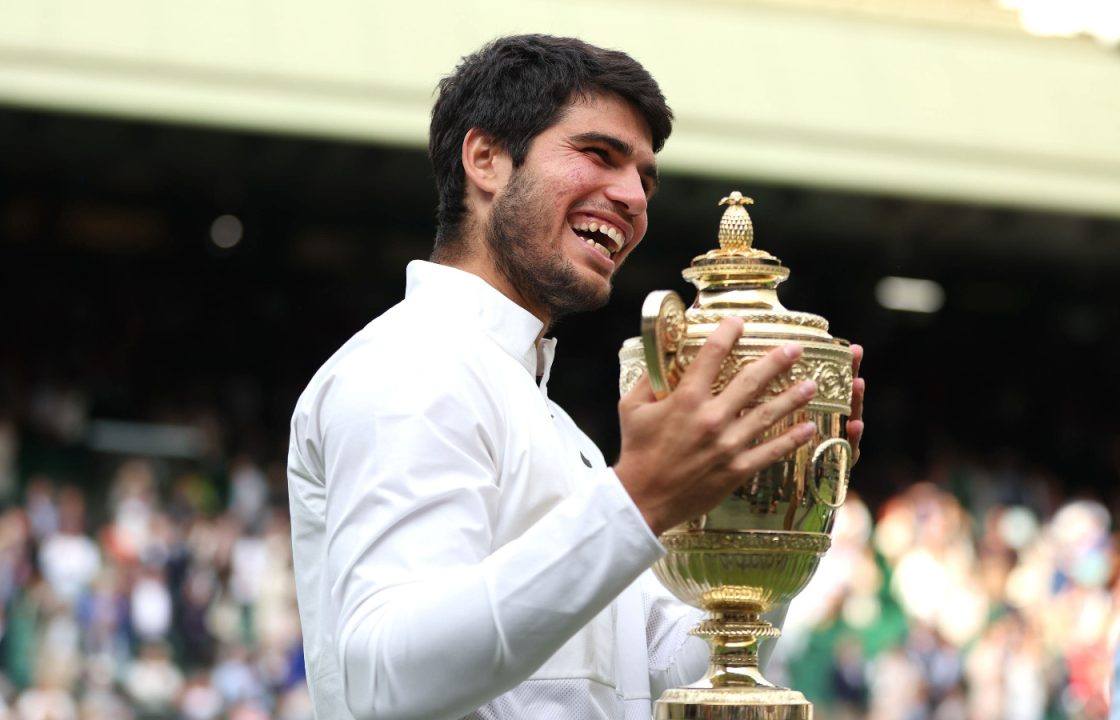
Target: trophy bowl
[(759, 547)]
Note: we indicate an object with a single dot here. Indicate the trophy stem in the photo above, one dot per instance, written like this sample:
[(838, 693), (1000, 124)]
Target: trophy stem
[(733, 636), (733, 688)]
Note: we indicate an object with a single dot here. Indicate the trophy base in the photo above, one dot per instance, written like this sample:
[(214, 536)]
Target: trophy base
[(732, 703)]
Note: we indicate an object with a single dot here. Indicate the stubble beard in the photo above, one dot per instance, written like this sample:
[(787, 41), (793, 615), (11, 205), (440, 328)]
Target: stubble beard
[(518, 240)]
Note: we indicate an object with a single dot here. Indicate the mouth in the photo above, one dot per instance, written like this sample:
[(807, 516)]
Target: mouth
[(604, 237)]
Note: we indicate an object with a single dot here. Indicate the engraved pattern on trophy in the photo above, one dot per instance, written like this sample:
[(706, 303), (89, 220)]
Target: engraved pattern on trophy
[(759, 547), (832, 371), (793, 318), (663, 328), (672, 325), (632, 364)]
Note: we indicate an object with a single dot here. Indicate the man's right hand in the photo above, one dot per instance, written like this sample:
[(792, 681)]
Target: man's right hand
[(684, 454)]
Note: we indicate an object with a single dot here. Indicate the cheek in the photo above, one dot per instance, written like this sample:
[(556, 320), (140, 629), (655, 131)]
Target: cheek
[(577, 179), (641, 224), (567, 188)]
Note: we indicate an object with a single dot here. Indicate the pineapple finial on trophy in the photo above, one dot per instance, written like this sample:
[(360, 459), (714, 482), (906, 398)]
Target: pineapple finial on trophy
[(736, 232)]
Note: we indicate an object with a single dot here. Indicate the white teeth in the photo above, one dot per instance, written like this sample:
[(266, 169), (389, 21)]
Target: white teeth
[(600, 248), (616, 236)]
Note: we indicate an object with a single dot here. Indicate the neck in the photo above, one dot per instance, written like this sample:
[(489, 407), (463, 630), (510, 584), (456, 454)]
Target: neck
[(473, 255), (478, 263)]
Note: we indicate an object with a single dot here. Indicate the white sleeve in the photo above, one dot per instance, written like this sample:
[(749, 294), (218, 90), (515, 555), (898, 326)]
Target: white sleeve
[(429, 621), (677, 657)]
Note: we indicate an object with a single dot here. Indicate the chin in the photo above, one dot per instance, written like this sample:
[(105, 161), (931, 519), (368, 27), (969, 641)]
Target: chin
[(598, 294), (595, 284)]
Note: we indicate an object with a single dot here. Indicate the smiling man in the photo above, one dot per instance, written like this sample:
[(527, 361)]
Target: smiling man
[(461, 548)]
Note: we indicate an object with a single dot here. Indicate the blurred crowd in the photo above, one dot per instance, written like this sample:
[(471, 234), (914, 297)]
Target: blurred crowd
[(977, 595), (178, 603), (164, 590)]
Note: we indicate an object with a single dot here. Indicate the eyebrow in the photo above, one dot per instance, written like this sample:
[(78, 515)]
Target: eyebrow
[(622, 148)]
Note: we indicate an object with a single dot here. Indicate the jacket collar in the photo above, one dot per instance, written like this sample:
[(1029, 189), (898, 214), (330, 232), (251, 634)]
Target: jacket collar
[(466, 296)]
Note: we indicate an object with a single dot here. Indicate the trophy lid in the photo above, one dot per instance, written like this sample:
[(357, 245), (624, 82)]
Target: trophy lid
[(735, 261), (739, 279)]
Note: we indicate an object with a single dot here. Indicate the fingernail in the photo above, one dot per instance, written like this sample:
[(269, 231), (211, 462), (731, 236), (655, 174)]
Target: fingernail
[(806, 430), (792, 351), (807, 389)]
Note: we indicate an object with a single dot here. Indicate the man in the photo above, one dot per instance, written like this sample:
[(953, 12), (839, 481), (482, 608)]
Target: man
[(461, 548)]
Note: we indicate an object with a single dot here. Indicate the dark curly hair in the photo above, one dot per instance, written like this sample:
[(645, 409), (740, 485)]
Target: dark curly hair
[(515, 88)]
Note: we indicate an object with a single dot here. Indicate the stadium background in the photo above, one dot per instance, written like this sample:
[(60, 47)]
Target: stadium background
[(199, 203)]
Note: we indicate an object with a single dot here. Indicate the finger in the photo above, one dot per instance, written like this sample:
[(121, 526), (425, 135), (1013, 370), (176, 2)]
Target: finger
[(766, 454), (857, 358), (855, 434), (754, 423), (755, 377), (859, 389), (640, 393), (704, 370)]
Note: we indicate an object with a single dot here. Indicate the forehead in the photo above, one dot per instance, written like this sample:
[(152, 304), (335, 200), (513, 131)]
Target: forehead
[(609, 115)]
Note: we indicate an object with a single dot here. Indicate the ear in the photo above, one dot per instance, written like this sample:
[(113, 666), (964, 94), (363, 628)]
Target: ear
[(486, 164)]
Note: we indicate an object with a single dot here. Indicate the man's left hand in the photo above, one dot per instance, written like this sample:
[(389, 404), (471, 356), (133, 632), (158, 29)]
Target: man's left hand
[(855, 420)]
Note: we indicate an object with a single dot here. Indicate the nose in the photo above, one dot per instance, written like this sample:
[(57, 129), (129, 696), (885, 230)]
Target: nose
[(627, 190)]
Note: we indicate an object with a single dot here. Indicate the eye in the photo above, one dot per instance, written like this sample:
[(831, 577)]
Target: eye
[(600, 153)]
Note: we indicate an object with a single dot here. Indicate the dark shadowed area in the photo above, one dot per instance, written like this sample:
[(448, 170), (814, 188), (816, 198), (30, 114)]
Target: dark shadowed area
[(114, 287)]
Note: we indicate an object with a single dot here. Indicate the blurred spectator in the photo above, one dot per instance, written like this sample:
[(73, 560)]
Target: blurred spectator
[(41, 508), (151, 606), (9, 448), (69, 559), (200, 700), (248, 491), (236, 679), (152, 681)]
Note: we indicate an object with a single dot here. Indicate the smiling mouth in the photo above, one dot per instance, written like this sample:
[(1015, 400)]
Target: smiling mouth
[(606, 239)]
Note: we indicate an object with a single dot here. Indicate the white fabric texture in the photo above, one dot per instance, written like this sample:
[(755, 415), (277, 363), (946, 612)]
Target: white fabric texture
[(461, 548)]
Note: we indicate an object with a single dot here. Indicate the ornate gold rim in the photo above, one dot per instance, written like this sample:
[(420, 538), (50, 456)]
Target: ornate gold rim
[(719, 541), (707, 270), (733, 695), (759, 345), (791, 317)]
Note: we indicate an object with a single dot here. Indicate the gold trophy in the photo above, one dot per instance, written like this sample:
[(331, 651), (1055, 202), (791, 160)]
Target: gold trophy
[(759, 547)]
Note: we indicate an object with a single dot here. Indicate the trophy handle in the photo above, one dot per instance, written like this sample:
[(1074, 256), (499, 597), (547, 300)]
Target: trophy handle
[(663, 328), (839, 466)]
